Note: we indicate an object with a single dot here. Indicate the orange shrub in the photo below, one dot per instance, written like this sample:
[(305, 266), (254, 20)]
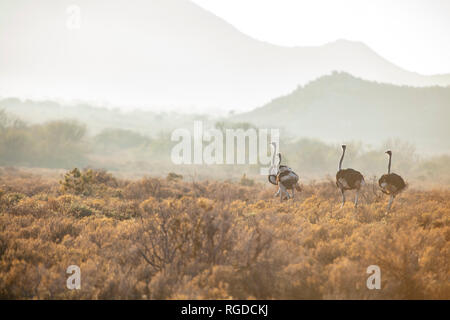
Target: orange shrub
[(171, 239)]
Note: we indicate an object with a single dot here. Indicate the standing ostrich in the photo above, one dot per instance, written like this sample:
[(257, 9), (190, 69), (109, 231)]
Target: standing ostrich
[(391, 183), (348, 179), (283, 176)]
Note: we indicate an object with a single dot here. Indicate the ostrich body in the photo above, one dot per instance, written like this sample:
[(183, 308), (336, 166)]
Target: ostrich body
[(348, 179), (284, 177), (391, 183)]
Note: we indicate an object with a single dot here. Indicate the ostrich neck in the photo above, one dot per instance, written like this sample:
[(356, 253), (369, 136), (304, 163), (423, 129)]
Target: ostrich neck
[(273, 167), (389, 165), (274, 150), (342, 159)]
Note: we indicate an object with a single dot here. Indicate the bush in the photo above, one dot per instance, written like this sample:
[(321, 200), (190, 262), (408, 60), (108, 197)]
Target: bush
[(218, 240)]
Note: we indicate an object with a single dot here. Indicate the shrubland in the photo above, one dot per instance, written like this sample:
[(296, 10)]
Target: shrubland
[(178, 238)]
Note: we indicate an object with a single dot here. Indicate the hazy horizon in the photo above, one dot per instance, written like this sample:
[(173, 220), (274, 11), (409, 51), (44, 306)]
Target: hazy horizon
[(174, 55)]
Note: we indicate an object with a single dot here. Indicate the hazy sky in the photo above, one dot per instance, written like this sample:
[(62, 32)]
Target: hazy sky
[(413, 34)]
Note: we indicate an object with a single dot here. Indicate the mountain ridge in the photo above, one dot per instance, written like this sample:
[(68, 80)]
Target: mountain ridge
[(165, 53), (342, 107)]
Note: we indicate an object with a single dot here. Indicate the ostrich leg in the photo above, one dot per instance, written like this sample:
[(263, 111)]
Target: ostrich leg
[(391, 199), (293, 193), (356, 198), (277, 193), (343, 198), (283, 191)]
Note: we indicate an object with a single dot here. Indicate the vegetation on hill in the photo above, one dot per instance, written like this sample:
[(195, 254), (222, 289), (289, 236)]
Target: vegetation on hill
[(67, 143), (332, 108), (340, 106)]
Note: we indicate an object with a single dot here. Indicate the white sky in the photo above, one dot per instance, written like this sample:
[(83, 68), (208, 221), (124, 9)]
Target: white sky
[(413, 34)]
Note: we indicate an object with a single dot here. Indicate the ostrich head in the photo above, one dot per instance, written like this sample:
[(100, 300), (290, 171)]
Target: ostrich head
[(344, 147), (389, 152)]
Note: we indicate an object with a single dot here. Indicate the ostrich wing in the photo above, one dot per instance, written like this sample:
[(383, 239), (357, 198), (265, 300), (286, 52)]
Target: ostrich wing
[(288, 178), (272, 179)]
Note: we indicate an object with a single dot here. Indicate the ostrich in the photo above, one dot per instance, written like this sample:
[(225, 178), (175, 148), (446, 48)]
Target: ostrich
[(348, 179), (283, 176), (391, 183)]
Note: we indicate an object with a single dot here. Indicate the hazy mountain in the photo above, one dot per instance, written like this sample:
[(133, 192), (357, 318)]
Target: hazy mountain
[(340, 107), (170, 53)]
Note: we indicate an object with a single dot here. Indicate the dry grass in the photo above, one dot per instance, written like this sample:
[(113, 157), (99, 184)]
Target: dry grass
[(172, 239)]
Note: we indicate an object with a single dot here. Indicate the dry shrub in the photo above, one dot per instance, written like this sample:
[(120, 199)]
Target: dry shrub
[(174, 239)]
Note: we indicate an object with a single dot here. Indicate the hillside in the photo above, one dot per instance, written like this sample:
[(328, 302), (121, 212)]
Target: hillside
[(164, 54), (340, 107)]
